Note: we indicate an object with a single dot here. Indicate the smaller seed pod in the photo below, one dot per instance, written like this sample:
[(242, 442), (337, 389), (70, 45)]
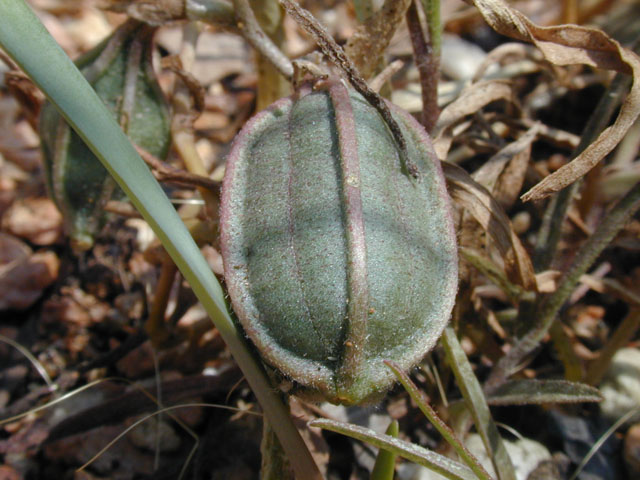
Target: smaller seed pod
[(335, 259), (120, 71)]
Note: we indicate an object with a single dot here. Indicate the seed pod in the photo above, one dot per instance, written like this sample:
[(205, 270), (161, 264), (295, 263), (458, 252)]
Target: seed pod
[(334, 258), (121, 73)]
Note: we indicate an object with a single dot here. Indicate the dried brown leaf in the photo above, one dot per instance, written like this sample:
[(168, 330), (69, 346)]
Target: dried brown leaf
[(503, 174), (490, 215), (570, 45), (472, 99)]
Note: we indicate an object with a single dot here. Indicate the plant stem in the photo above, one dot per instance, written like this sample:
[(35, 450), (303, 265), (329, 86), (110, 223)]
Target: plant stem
[(364, 9), (423, 404), (385, 464), (434, 25), (427, 57), (271, 84), (218, 12), (155, 325), (253, 33), (184, 139)]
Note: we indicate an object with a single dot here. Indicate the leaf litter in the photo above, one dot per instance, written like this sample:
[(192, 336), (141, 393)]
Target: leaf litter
[(491, 130)]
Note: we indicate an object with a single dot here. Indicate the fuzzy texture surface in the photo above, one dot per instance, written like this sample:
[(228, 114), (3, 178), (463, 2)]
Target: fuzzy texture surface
[(334, 264), (120, 71)]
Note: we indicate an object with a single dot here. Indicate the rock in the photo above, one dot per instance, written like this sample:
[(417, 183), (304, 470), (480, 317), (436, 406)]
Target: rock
[(621, 386)]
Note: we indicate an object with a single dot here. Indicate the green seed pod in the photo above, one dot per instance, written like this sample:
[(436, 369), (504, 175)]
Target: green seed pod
[(334, 258), (120, 71)]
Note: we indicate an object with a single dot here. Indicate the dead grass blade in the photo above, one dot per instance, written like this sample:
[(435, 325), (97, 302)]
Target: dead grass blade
[(472, 99), (569, 45), (490, 215)]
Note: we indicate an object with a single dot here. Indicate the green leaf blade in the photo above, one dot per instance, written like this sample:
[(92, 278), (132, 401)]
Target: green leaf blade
[(537, 392)]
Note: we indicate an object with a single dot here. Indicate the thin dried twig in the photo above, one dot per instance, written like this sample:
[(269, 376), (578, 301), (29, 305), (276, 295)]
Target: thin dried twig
[(165, 172), (250, 28), (385, 75), (335, 53)]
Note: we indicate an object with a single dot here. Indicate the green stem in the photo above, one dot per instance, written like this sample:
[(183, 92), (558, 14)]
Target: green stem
[(434, 25), (385, 464), (271, 84), (423, 404), (364, 9)]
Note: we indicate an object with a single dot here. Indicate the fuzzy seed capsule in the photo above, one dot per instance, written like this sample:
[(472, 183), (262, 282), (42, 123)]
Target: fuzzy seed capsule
[(335, 259), (120, 71)]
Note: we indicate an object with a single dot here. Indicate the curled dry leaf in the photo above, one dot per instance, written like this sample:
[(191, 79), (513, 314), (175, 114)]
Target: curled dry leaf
[(490, 215), (472, 99), (570, 45), (503, 174)]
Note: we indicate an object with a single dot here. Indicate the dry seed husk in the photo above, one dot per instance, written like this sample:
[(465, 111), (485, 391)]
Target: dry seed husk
[(334, 258), (120, 71)]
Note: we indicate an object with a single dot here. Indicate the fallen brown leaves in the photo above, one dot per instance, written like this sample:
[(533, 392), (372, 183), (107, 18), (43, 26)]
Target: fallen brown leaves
[(475, 199), (569, 45)]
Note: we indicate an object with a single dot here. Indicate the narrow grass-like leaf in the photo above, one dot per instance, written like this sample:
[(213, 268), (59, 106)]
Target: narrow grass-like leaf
[(444, 430), (477, 405), (536, 392), (386, 461), (25, 39), (417, 454)]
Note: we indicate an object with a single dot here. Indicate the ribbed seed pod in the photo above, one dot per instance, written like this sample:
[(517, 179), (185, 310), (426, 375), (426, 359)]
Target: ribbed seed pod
[(120, 71), (334, 258)]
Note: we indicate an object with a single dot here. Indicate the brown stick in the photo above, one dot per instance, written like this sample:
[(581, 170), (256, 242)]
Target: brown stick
[(165, 172), (332, 50)]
